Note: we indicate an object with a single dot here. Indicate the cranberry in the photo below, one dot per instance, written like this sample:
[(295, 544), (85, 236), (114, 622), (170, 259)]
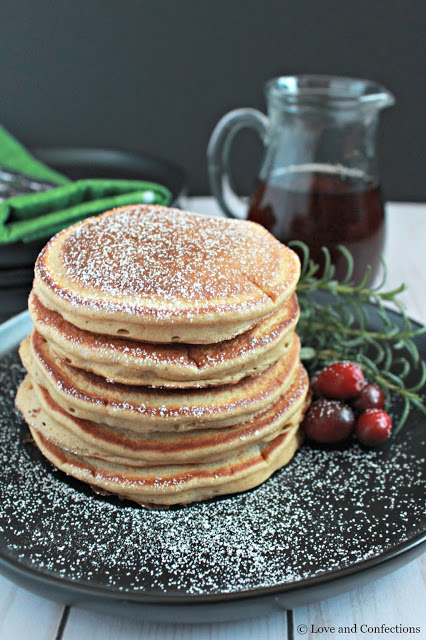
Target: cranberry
[(374, 427), (313, 382), (341, 380), (328, 421), (370, 397)]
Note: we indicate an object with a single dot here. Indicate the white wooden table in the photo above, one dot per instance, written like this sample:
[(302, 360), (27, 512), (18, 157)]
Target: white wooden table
[(398, 599)]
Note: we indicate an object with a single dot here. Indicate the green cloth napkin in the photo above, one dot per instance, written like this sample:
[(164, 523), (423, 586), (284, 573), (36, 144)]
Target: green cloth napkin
[(40, 215)]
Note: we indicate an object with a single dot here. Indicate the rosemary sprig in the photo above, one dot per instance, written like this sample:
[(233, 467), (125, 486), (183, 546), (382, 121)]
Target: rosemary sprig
[(337, 324)]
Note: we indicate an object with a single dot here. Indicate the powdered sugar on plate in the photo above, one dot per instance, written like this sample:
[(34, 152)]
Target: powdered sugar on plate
[(327, 510)]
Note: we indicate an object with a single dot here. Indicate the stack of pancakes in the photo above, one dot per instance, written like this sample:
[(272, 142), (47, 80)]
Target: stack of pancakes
[(164, 365)]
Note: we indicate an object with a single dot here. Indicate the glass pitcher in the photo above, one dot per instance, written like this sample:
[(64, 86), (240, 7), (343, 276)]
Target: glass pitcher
[(318, 180)]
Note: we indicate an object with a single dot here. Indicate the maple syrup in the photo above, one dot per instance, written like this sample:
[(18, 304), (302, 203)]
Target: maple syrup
[(325, 209)]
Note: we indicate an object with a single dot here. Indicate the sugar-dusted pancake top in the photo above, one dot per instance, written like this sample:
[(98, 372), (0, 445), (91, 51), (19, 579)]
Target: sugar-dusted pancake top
[(159, 262)]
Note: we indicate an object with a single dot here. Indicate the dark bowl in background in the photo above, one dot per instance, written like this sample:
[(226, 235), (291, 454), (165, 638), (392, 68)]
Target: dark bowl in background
[(77, 163), (17, 259)]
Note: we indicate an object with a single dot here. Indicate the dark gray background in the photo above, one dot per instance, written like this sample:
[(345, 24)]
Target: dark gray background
[(156, 75)]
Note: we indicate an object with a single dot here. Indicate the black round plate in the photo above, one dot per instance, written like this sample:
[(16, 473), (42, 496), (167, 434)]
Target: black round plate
[(77, 163), (13, 300), (329, 521), (16, 277)]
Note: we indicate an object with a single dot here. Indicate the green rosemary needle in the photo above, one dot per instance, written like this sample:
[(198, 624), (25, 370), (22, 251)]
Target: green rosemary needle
[(336, 323)]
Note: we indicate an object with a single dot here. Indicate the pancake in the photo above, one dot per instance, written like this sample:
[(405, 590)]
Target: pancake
[(171, 366), (83, 437), (141, 409), (163, 275), (175, 484)]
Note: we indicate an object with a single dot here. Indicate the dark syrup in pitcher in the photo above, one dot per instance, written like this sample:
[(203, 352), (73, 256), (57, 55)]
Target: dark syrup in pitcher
[(325, 208)]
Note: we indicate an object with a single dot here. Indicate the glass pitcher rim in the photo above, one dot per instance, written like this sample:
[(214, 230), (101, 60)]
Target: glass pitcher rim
[(328, 91)]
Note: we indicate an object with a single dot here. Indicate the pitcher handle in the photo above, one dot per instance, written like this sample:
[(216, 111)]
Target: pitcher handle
[(218, 156)]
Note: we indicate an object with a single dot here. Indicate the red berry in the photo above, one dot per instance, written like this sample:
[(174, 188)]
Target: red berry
[(313, 382), (328, 421), (370, 397), (341, 380), (374, 427)]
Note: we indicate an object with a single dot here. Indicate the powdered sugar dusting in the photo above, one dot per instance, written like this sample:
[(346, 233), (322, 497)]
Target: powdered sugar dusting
[(169, 254), (324, 511)]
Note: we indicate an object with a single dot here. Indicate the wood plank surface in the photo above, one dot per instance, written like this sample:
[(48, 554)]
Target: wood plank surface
[(92, 626), (24, 615)]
